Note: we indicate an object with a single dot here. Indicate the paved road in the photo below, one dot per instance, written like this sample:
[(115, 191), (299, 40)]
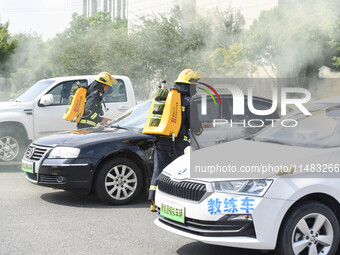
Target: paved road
[(38, 220)]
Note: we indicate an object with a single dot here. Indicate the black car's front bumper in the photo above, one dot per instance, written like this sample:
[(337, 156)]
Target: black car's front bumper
[(68, 174)]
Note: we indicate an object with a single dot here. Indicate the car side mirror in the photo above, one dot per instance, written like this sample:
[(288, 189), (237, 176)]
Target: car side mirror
[(46, 100)]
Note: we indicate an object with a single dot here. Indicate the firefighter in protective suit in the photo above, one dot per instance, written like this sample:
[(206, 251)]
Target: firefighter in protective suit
[(165, 151), (94, 98)]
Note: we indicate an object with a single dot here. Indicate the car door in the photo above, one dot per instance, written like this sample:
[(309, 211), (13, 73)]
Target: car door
[(49, 119)]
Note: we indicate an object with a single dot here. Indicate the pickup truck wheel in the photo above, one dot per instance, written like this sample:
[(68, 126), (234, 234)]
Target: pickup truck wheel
[(312, 228), (118, 182), (12, 145)]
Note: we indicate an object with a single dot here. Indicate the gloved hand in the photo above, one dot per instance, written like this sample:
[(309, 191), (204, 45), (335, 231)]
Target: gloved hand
[(104, 121)]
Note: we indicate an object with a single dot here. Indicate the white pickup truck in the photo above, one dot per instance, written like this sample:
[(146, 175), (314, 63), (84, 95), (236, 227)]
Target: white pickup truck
[(39, 111)]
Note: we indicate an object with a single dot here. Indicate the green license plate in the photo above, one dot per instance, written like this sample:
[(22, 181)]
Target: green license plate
[(27, 166), (172, 212)]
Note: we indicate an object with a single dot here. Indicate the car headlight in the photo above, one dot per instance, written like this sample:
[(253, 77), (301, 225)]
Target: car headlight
[(64, 152), (257, 187)]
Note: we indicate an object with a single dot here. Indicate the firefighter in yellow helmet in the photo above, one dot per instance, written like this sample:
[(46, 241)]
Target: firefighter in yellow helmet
[(94, 99), (165, 152)]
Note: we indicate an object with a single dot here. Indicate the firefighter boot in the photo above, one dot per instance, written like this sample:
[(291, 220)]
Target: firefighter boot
[(153, 206)]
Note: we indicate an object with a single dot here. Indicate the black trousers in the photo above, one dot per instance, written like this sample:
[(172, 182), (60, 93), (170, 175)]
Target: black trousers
[(163, 155)]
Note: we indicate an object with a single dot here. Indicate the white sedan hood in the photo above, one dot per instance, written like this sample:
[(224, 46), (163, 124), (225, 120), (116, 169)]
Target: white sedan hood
[(250, 159)]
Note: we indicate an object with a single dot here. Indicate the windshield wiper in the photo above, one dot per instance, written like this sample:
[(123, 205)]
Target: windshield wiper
[(117, 126), (274, 141), (250, 138)]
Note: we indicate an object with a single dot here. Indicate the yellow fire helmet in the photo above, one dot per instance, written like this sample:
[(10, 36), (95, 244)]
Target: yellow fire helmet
[(106, 78), (188, 76)]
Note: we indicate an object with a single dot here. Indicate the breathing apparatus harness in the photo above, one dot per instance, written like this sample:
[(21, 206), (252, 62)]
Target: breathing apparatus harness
[(97, 87)]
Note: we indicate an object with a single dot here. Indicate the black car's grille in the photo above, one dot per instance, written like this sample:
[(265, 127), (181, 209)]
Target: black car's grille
[(184, 189), (34, 152), (52, 179)]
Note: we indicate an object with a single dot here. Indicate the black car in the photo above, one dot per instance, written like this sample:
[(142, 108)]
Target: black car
[(115, 162)]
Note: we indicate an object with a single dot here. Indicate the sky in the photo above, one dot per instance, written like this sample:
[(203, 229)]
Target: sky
[(43, 17)]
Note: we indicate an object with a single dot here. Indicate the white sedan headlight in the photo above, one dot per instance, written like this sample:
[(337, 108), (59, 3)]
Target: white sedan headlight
[(64, 152), (257, 187)]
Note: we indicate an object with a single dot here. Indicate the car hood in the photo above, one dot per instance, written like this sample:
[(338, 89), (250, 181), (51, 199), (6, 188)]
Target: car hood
[(88, 136), (266, 160), (9, 105)]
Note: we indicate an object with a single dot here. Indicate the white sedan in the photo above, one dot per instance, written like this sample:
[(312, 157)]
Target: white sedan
[(278, 190)]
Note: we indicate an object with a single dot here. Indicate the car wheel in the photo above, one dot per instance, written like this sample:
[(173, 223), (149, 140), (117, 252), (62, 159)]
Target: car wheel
[(119, 181), (312, 228), (12, 145)]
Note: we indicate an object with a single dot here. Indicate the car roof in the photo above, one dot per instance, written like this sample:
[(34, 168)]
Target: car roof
[(197, 96), (79, 77), (329, 100)]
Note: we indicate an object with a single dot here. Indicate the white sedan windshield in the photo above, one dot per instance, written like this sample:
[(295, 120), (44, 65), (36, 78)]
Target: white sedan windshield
[(320, 130)]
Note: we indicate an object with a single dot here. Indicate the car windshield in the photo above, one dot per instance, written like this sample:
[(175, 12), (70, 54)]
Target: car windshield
[(34, 91), (134, 118), (320, 130)]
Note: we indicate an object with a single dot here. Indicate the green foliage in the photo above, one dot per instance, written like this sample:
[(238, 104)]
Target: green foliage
[(7, 48), (164, 44), (169, 43), (159, 47), (231, 62), (30, 62), (81, 48), (293, 39), (226, 27), (81, 24), (335, 43)]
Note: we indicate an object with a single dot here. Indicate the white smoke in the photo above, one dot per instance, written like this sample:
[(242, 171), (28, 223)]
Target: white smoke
[(326, 72), (328, 84)]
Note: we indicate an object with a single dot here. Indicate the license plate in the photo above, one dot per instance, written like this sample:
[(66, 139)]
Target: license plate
[(27, 166), (172, 212)]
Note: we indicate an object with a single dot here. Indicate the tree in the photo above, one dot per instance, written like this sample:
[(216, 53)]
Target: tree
[(158, 48), (164, 46), (231, 62), (29, 61), (7, 48), (335, 43), (226, 27), (293, 39), (82, 48), (169, 43)]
